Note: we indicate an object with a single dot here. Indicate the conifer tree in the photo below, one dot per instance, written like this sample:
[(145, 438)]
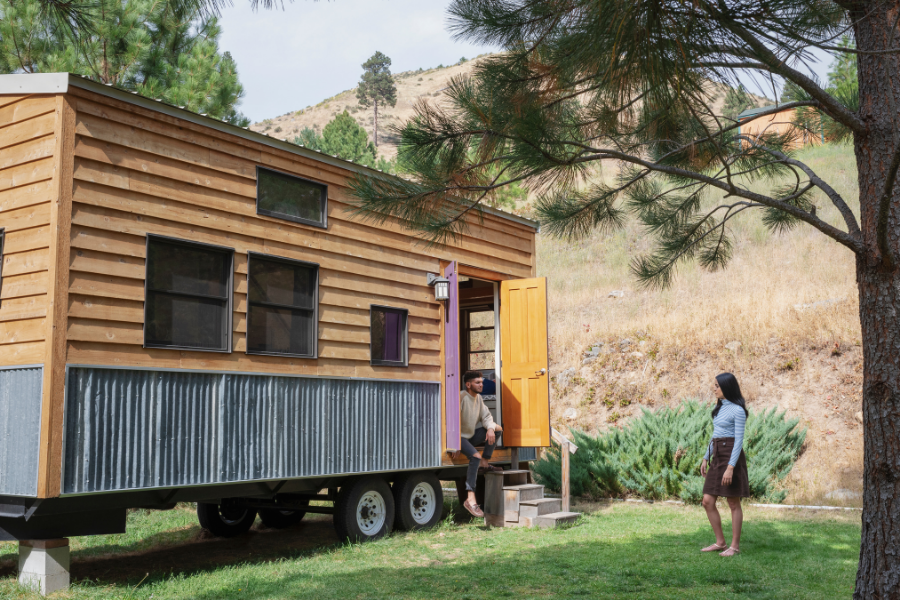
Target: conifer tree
[(158, 48), (583, 83), (342, 137), (376, 85), (737, 100)]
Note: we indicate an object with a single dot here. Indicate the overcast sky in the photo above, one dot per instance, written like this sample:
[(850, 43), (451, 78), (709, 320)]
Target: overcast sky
[(292, 58)]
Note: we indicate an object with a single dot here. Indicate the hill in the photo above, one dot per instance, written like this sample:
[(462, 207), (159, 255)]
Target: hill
[(783, 317), (412, 87)]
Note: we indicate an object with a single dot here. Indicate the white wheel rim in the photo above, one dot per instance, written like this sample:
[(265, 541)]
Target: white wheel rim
[(370, 513), (422, 503)]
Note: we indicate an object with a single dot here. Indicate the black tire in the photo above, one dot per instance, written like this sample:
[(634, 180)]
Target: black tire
[(418, 501), (274, 518), (225, 521), (364, 510)]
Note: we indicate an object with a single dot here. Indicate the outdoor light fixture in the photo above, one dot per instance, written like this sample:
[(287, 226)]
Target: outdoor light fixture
[(441, 287)]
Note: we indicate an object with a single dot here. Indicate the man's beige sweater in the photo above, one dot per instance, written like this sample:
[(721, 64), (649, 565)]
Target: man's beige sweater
[(473, 412)]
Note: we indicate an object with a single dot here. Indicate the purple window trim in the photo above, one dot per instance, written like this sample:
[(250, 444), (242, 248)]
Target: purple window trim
[(451, 365)]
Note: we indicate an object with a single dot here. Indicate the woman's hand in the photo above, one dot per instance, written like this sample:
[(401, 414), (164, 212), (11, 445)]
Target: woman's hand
[(726, 478), (703, 468)]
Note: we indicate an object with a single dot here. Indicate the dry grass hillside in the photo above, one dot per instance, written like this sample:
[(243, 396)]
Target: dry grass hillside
[(412, 86), (783, 317)]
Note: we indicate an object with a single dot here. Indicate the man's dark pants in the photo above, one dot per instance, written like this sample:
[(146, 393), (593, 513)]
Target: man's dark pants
[(468, 448)]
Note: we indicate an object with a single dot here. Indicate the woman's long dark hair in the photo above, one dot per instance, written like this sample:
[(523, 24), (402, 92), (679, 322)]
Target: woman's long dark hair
[(728, 383)]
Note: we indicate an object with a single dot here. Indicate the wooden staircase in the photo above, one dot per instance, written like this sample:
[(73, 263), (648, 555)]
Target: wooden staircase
[(512, 499)]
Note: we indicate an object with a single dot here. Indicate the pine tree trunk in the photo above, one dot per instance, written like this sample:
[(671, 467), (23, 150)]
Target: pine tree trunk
[(879, 305), (376, 122)]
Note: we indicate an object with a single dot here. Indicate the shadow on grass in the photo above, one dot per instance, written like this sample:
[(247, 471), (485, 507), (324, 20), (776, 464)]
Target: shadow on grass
[(781, 559)]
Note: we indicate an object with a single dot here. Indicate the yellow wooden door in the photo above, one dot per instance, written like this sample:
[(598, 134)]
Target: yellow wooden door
[(524, 370)]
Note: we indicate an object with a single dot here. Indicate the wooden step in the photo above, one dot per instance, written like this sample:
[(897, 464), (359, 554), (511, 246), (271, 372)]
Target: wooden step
[(554, 519), (538, 508), (516, 477), (523, 492), (514, 495)]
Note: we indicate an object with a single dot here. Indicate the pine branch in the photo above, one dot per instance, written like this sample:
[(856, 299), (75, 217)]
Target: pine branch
[(837, 111)]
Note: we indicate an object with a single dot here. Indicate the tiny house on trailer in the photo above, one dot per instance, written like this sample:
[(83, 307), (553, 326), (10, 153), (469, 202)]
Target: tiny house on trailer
[(188, 312)]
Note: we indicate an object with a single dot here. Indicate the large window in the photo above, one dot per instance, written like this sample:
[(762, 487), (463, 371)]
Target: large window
[(292, 198), (478, 326), (188, 295), (281, 306), (388, 334)]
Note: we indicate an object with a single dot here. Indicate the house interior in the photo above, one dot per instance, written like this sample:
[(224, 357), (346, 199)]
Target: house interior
[(479, 330)]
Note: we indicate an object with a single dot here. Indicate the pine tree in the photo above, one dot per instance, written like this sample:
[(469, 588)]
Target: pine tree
[(843, 77), (342, 137), (158, 48), (586, 83), (376, 85), (737, 100)]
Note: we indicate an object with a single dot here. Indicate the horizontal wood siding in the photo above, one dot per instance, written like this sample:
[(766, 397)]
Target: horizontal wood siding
[(139, 172), (27, 166)]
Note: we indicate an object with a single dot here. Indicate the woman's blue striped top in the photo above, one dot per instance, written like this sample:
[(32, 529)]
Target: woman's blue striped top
[(729, 423)]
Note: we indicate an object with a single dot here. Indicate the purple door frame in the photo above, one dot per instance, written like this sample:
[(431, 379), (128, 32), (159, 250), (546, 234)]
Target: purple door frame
[(451, 358)]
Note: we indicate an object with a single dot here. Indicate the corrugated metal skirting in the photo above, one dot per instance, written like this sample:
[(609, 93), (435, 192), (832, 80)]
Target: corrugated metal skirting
[(129, 429), (20, 430)]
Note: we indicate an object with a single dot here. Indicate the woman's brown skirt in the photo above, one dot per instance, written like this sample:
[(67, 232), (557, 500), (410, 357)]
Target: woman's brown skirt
[(721, 454)]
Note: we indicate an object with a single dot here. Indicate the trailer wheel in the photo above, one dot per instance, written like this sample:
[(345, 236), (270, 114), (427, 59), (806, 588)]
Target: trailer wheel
[(364, 510), (225, 521), (274, 518), (419, 501)]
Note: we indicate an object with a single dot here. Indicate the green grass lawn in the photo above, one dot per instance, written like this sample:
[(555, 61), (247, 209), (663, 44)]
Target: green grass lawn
[(615, 551)]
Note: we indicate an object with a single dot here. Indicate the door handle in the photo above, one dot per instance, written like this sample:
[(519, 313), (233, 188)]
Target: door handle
[(541, 372)]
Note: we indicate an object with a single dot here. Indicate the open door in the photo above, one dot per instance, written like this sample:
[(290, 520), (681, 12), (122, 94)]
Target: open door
[(451, 362), (524, 371)]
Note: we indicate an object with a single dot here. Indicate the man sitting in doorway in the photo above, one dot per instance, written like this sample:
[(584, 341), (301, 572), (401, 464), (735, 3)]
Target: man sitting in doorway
[(476, 426)]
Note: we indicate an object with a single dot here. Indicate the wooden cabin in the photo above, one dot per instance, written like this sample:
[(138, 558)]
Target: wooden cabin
[(189, 313), (779, 123)]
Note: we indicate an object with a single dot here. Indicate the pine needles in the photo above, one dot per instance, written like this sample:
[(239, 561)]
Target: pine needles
[(658, 456)]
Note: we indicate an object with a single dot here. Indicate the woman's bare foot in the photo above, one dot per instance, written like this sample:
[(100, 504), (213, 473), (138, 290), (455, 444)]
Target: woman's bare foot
[(715, 548), (730, 552)]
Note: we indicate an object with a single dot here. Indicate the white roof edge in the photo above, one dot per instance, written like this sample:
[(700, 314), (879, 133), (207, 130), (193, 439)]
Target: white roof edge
[(59, 83), (34, 83)]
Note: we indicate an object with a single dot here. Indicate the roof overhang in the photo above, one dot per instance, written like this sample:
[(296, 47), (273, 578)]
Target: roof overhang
[(59, 83)]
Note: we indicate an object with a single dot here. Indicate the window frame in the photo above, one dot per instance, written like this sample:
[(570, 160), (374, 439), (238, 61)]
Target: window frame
[(467, 328), (405, 341), (229, 292), (315, 328), (277, 215)]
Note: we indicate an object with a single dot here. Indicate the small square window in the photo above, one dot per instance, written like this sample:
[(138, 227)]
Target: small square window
[(288, 197), (188, 295), (389, 336), (281, 306)]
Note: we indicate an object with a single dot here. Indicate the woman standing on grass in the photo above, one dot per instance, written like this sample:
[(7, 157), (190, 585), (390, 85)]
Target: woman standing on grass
[(727, 476)]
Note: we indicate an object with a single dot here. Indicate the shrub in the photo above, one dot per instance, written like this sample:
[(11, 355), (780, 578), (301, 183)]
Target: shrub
[(658, 455)]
